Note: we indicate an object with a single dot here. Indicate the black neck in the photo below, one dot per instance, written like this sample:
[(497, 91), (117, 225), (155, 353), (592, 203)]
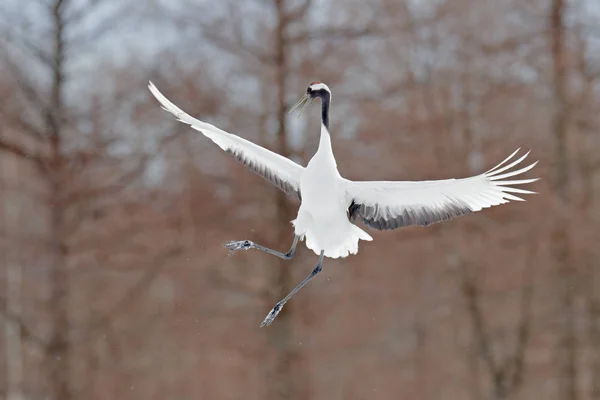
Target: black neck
[(325, 97)]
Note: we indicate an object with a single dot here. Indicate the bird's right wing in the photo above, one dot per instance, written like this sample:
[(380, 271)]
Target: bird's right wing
[(390, 205), (280, 171)]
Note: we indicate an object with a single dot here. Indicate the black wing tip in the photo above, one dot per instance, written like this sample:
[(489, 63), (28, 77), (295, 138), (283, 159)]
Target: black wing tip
[(407, 216)]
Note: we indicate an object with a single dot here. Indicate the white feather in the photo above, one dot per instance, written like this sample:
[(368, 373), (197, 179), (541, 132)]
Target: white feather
[(266, 163), (385, 203), (330, 202), (319, 86)]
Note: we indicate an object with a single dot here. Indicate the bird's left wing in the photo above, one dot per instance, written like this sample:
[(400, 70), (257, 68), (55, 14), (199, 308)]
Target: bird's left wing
[(280, 171), (390, 205)]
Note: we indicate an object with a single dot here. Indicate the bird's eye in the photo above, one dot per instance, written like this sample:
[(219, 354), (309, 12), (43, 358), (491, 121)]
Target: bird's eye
[(308, 90)]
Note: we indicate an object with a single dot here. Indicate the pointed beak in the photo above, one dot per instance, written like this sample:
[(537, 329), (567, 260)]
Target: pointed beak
[(304, 102)]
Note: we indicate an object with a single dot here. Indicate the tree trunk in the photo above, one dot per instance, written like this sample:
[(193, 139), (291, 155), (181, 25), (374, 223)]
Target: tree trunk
[(12, 333), (59, 351), (12, 330), (281, 383), (567, 351)]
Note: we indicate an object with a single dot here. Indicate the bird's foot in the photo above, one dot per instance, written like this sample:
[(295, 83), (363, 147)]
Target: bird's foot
[(239, 245), (272, 314)]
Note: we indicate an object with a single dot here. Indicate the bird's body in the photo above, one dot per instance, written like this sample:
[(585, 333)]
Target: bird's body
[(323, 217), (330, 203)]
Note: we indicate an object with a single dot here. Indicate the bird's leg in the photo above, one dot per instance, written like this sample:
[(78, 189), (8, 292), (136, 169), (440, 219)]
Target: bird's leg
[(246, 245), (275, 310)]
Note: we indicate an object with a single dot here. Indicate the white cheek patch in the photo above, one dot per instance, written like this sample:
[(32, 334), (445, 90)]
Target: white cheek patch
[(319, 86)]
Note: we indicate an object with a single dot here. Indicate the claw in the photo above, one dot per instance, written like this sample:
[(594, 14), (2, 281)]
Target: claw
[(239, 245), (272, 314)]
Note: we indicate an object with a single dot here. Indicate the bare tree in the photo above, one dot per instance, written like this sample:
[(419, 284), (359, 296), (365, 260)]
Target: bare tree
[(13, 303), (568, 348), (73, 169), (505, 372)]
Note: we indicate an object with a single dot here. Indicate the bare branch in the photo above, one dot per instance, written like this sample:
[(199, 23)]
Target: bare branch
[(26, 332), (30, 46), (238, 48), (97, 326), (472, 296), (523, 333), (107, 24), (24, 84), (125, 179), (335, 34), (22, 153), (85, 9), (299, 12)]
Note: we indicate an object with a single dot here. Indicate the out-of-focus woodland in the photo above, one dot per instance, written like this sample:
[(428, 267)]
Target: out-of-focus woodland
[(114, 283)]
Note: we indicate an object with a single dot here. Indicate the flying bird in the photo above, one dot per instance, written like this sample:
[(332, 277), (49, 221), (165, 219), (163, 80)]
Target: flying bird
[(330, 203)]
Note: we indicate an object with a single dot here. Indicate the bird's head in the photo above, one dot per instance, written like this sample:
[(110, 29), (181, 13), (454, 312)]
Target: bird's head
[(314, 90), (318, 89)]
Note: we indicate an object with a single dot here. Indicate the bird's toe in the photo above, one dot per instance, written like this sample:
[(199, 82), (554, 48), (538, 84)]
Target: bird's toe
[(272, 314), (239, 245)]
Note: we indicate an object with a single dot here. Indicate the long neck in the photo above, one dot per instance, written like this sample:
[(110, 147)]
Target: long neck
[(325, 99), (325, 141)]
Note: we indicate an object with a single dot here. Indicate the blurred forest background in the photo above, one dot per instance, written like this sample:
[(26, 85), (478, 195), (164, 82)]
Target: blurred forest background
[(114, 283)]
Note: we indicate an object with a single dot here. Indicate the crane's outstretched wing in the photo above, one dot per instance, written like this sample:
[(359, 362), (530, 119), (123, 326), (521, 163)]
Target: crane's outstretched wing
[(280, 171), (390, 205)]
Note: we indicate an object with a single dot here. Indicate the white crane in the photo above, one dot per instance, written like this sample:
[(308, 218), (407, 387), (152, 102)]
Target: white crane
[(329, 202)]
